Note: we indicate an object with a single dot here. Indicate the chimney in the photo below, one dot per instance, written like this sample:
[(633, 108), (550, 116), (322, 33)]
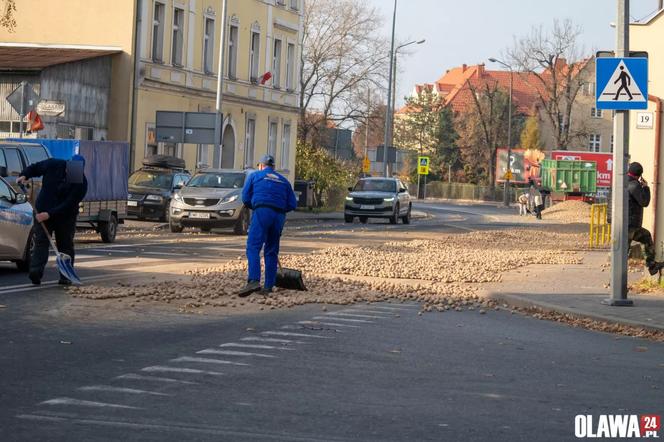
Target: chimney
[(480, 70), (464, 67)]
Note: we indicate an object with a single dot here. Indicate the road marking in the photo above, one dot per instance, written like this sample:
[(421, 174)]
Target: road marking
[(212, 351), (119, 390), (331, 324), (325, 318), (352, 315), (376, 312), (256, 346), (164, 369), (405, 307), (206, 361), (302, 335), (71, 401), (116, 262), (138, 377), (278, 341), (105, 251)]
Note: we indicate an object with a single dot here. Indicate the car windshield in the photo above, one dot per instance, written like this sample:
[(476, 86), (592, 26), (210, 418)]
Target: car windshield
[(376, 185), (151, 179), (218, 180)]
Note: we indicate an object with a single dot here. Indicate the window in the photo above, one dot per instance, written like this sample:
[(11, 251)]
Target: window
[(611, 143), (84, 133), (208, 46), (595, 142), (158, 33), (595, 113), (249, 142), (232, 52), (65, 131), (151, 145), (203, 155), (14, 165), (171, 149), (5, 126), (5, 192), (285, 146), (253, 56), (272, 139), (276, 64), (35, 154), (290, 67), (178, 37), (294, 4)]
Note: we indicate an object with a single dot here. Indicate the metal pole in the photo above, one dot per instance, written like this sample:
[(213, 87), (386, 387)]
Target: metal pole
[(449, 173), (136, 82), (506, 195), (387, 141), (619, 226), (22, 113), (216, 155), (394, 95)]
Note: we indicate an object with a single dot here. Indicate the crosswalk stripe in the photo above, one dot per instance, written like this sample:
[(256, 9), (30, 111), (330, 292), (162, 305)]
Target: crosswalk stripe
[(325, 318), (112, 389), (212, 351), (162, 368), (139, 377), (206, 361), (256, 346), (71, 401), (302, 335)]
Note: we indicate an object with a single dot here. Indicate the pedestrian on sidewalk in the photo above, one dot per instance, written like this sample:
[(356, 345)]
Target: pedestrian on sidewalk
[(64, 186), (523, 204), (270, 196), (639, 197)]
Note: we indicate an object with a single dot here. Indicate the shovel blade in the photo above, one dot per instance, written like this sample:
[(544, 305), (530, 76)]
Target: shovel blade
[(290, 279), (66, 268)]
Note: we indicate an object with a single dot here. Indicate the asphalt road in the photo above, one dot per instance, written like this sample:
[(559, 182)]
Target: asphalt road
[(373, 372)]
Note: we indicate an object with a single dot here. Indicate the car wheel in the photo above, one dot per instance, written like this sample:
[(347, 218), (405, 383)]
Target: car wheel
[(23, 265), (364, 219), (167, 213), (348, 218), (406, 218), (108, 229), (242, 224), (175, 228), (395, 216)]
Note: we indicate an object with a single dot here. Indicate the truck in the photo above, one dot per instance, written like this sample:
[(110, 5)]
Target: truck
[(107, 171), (575, 179)]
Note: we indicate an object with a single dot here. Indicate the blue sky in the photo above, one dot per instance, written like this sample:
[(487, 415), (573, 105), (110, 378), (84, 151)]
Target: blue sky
[(471, 31)]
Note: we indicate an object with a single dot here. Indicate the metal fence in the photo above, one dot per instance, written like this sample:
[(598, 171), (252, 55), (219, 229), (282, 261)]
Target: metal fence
[(462, 191)]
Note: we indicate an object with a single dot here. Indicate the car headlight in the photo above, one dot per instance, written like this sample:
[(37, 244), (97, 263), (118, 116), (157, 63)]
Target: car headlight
[(388, 200), (348, 198), (177, 197), (154, 198), (230, 199)]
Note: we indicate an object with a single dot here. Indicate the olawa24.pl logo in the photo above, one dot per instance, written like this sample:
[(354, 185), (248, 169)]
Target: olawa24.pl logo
[(632, 426)]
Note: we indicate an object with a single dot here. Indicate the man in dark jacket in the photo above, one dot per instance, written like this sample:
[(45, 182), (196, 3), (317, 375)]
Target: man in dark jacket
[(63, 187), (270, 196), (639, 197)]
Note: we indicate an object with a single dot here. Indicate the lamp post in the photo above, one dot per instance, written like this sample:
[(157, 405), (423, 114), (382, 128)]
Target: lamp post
[(388, 116), (394, 81), (506, 194), (218, 121)]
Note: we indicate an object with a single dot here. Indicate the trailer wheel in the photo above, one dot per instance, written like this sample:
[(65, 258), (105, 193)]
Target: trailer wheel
[(108, 229)]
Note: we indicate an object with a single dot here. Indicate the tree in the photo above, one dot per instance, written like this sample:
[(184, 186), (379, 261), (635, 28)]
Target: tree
[(447, 149), (416, 127), (376, 125), (530, 135), (315, 164), (8, 17), (342, 56), (556, 73)]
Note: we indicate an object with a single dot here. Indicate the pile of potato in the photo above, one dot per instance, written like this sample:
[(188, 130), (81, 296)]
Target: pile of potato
[(568, 212)]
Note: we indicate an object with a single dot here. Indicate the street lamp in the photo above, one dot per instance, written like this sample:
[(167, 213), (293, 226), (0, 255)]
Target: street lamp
[(506, 194), (394, 82), (388, 116)]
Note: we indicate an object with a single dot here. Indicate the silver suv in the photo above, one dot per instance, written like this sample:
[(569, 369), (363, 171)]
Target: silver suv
[(212, 198), (378, 198), (15, 226)]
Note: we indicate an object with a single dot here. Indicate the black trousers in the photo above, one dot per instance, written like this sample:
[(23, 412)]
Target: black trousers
[(65, 229), (643, 236)]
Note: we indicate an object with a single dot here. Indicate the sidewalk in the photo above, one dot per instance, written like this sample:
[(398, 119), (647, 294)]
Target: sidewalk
[(577, 290)]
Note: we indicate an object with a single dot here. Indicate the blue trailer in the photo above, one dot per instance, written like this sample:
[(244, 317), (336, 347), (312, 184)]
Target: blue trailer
[(107, 171)]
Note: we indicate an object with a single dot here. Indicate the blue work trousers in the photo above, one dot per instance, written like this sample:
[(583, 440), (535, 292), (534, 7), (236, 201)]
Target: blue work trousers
[(265, 230)]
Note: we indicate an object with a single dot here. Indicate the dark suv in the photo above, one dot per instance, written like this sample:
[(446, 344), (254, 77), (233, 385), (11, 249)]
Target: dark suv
[(151, 187)]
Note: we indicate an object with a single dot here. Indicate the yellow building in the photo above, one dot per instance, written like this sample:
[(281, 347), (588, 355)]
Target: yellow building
[(177, 42)]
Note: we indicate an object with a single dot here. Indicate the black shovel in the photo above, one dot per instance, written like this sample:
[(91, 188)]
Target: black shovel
[(289, 279)]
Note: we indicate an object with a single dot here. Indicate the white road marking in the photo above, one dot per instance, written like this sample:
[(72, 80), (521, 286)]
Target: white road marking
[(277, 341), (352, 315), (256, 346), (402, 307), (139, 377), (375, 312), (162, 368), (331, 324), (119, 390), (71, 401), (107, 251), (301, 335), (212, 351), (116, 262), (325, 318), (206, 361)]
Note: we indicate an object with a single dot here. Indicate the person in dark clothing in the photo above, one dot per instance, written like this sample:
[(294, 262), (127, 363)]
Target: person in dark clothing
[(64, 186), (270, 196), (639, 197)]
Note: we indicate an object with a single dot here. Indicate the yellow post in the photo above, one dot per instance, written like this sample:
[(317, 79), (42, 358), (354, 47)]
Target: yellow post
[(592, 220)]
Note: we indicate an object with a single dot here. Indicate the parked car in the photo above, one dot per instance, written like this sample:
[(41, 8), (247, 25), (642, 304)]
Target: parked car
[(151, 187), (211, 199), (15, 226), (378, 198), (16, 156)]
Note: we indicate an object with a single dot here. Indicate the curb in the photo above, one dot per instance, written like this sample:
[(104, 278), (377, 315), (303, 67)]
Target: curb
[(523, 302)]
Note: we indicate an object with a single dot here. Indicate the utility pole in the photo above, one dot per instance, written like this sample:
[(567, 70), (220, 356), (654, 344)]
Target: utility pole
[(619, 225), (216, 155), (387, 140), (366, 134)]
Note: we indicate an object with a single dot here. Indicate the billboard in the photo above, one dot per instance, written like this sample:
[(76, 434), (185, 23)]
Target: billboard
[(604, 162), (524, 164)]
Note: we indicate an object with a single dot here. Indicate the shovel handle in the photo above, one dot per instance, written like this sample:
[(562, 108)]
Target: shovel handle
[(34, 214)]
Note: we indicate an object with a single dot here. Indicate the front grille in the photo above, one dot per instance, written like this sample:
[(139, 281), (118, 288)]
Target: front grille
[(368, 201), (201, 202), (135, 196)]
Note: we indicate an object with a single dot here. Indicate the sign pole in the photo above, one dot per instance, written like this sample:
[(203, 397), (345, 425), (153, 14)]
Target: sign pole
[(22, 112), (619, 225), (218, 126)]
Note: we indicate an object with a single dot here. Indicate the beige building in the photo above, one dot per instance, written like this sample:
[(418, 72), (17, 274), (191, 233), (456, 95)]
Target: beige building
[(92, 44)]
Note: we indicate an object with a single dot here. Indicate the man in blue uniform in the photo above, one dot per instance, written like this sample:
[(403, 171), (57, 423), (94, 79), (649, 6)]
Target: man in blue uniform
[(270, 196)]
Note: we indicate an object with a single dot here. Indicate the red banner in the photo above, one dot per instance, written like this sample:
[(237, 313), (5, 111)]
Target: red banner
[(604, 162)]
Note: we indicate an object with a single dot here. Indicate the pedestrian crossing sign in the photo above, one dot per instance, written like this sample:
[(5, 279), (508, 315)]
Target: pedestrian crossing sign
[(423, 165), (621, 83)]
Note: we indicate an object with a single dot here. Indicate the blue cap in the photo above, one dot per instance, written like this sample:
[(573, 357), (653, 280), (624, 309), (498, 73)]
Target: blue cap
[(267, 160)]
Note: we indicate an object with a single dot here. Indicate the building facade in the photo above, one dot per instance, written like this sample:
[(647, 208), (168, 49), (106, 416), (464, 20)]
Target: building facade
[(115, 64)]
